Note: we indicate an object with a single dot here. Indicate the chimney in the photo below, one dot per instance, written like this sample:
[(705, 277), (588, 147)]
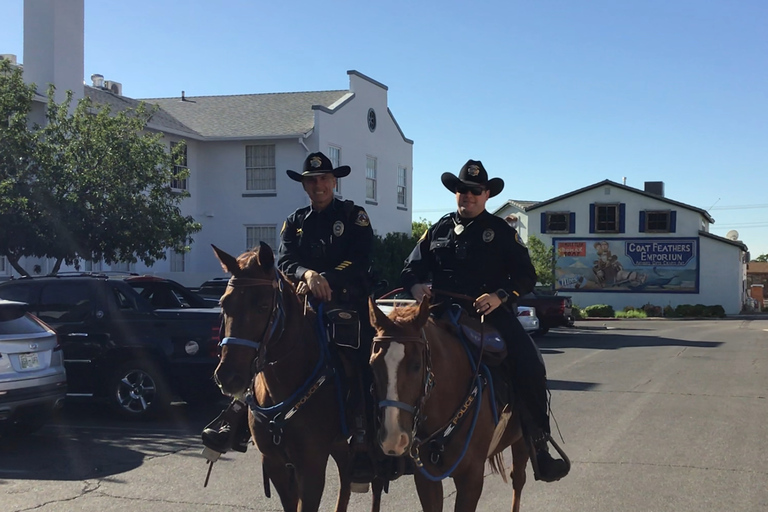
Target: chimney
[(655, 187)]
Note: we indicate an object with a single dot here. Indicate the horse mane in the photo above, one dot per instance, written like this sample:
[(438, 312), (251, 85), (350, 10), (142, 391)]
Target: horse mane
[(249, 260)]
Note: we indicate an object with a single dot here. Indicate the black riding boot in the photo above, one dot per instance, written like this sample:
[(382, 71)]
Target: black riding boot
[(229, 430), (545, 467)]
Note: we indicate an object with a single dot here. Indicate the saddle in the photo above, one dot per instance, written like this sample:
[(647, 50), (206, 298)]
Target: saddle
[(480, 335)]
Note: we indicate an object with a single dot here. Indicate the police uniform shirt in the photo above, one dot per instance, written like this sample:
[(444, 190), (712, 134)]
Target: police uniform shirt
[(471, 257), (334, 242)]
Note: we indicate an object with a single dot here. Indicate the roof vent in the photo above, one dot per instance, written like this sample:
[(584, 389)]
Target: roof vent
[(98, 80), (9, 57), (655, 187), (114, 87)]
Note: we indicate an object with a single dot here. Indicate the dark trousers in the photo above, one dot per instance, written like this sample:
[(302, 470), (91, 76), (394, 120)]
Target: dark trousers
[(528, 376)]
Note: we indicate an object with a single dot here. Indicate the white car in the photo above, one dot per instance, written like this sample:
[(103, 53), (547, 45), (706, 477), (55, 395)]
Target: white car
[(399, 297), (33, 382)]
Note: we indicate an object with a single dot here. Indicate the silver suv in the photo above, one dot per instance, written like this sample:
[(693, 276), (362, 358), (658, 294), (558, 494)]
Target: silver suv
[(33, 382)]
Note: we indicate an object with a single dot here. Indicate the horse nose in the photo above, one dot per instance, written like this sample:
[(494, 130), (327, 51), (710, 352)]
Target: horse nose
[(229, 382), (395, 444)]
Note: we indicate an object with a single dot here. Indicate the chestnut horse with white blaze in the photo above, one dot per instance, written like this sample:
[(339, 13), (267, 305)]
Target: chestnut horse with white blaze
[(436, 407), (273, 358)]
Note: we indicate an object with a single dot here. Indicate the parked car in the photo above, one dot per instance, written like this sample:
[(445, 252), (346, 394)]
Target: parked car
[(167, 294), (117, 348), (400, 297), (552, 310), (213, 289), (33, 381)]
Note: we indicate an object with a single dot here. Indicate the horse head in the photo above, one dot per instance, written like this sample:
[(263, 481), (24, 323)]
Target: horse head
[(253, 316), (401, 368)]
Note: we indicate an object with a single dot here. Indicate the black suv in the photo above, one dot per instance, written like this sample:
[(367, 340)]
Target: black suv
[(117, 347)]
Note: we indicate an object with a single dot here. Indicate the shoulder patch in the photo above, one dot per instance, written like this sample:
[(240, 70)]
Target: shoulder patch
[(518, 239), (282, 230), (362, 219)]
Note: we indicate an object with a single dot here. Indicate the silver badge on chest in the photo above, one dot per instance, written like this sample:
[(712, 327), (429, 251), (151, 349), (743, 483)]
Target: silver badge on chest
[(458, 229), (338, 228), (488, 235)]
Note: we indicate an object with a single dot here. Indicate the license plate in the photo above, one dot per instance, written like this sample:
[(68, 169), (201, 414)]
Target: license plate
[(29, 360)]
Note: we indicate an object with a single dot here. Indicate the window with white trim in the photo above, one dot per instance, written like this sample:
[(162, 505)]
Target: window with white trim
[(260, 167), (370, 178), (334, 155), (402, 192), (558, 222), (180, 166), (606, 218), (262, 233), (178, 260)]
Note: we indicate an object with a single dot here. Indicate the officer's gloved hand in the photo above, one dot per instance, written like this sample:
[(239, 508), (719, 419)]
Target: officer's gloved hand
[(421, 290), (318, 285)]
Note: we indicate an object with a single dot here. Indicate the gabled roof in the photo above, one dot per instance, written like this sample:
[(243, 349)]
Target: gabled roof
[(603, 183), (520, 205), (737, 243), (268, 115), (757, 267), (161, 120)]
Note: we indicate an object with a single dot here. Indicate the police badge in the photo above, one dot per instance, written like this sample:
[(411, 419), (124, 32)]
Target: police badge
[(338, 228), (488, 235)]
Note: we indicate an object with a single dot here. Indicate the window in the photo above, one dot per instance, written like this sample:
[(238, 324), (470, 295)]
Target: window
[(606, 218), (256, 234), (122, 266), (260, 167), (334, 155), (658, 221), (179, 183), (69, 303), (557, 222), (401, 186), (178, 260), (3, 266), (370, 178)]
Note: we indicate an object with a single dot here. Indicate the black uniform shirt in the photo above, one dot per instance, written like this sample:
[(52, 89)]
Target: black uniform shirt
[(336, 242), (486, 256)]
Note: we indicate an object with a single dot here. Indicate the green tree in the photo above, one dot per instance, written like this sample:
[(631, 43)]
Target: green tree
[(419, 228), (762, 258), (91, 185), (543, 259), (390, 252)]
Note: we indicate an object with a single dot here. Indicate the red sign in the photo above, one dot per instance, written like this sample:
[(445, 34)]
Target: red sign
[(572, 249)]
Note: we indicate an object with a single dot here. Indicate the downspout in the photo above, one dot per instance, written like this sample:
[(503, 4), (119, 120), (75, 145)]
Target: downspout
[(301, 141)]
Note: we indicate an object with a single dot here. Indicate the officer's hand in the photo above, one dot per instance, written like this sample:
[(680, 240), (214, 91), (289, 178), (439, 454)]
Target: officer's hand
[(421, 290), (486, 303), (318, 285), (302, 288)]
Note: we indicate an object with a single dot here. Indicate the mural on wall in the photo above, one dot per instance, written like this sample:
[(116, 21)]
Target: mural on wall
[(654, 265)]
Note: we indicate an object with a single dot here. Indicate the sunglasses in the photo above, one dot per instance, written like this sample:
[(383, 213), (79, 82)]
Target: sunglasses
[(475, 191)]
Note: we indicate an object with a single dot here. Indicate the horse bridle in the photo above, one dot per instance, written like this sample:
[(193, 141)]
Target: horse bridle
[(276, 318), (427, 383)]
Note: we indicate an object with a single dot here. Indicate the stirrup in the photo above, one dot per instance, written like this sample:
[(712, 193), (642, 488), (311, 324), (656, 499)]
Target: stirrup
[(545, 438)]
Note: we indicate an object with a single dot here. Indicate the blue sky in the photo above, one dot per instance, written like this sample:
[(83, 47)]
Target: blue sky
[(551, 95)]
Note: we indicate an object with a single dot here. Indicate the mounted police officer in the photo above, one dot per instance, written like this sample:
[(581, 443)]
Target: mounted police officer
[(325, 250), (474, 253)]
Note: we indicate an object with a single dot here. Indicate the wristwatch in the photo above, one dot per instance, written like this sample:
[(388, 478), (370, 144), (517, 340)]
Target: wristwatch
[(502, 294)]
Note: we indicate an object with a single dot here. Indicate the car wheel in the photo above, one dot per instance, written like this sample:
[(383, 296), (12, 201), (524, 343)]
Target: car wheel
[(138, 390)]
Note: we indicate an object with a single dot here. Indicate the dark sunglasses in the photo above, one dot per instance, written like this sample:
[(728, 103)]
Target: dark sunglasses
[(475, 191)]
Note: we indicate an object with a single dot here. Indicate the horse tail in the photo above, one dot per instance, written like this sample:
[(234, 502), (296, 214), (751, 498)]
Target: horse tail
[(497, 465)]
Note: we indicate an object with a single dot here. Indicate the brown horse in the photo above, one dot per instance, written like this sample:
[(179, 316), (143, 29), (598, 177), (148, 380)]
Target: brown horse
[(272, 357), (436, 408)]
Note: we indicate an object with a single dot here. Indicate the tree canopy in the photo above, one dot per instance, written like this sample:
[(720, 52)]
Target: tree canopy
[(762, 258), (543, 259), (88, 185)]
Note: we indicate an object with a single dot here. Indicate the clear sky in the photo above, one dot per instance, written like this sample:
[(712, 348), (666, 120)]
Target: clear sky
[(551, 95)]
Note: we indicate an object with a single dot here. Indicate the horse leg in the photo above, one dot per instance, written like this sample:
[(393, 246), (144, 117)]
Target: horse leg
[(341, 456), (377, 486), (519, 462), (284, 482), (310, 478), (469, 487), (430, 493)]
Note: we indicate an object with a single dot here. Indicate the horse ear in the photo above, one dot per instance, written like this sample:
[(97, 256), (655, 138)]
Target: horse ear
[(228, 263), (266, 256), (378, 319), (423, 312)]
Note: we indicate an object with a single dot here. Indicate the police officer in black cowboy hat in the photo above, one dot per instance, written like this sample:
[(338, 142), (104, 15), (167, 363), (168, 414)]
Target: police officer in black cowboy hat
[(472, 252), (325, 250)]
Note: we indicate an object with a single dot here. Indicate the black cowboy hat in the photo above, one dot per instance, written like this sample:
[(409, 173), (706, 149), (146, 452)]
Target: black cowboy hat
[(317, 164), (472, 175)]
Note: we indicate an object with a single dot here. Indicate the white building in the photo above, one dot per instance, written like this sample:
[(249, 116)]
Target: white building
[(239, 147), (622, 246)]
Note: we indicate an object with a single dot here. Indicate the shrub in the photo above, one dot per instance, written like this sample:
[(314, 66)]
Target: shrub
[(576, 312), (634, 313), (669, 311), (651, 310), (600, 310), (699, 310), (627, 309)]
